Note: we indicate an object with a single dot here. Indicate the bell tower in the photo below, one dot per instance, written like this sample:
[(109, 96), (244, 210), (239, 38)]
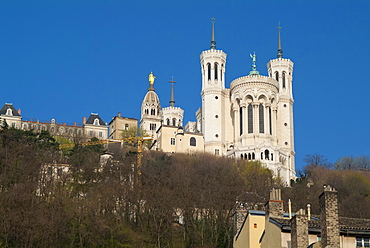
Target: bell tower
[(214, 97), (281, 70)]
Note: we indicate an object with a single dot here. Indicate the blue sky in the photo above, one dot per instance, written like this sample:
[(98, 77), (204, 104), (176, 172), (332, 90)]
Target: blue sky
[(66, 59)]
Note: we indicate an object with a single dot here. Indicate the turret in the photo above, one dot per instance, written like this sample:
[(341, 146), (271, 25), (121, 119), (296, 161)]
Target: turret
[(213, 63)]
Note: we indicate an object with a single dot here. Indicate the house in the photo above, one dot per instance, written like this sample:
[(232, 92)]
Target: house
[(274, 228)]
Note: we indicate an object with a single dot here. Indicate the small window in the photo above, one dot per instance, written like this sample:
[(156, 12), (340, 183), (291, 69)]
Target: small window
[(152, 111), (277, 76), (126, 126), (216, 97), (209, 71), (96, 121), (193, 141), (217, 152), (100, 134), (283, 79), (153, 126), (146, 111), (91, 133), (362, 242), (173, 141), (59, 172), (9, 112), (174, 122), (168, 121), (255, 225)]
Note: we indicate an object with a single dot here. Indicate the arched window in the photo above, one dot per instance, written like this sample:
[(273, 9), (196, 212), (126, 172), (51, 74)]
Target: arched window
[(253, 156), (152, 111), (261, 155), (96, 121), (216, 71), (174, 122), (261, 119), (241, 120), (272, 157), (277, 76), (250, 118), (249, 156), (267, 154), (9, 112), (241, 155), (168, 121), (126, 126), (193, 141), (283, 79), (146, 111), (209, 71)]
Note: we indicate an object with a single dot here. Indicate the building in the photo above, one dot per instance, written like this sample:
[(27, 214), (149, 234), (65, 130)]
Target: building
[(275, 228), (252, 120), (94, 126), (119, 124)]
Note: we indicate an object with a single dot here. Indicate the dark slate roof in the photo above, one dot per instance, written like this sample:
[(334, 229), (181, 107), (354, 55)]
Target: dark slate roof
[(7, 106), (345, 223), (92, 117)]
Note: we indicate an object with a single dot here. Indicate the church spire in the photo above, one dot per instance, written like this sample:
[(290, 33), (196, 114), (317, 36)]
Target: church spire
[(172, 98), (213, 42), (280, 50)]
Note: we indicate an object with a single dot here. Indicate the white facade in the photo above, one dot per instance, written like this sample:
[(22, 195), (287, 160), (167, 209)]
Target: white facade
[(251, 120)]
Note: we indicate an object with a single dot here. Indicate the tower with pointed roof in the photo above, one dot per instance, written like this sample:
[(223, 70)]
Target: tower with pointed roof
[(172, 116), (215, 98)]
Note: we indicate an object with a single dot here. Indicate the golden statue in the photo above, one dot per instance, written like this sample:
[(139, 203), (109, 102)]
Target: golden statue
[(151, 78)]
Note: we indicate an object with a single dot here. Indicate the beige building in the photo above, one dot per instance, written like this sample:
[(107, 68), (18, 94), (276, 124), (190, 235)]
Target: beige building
[(275, 229), (174, 139), (118, 124), (94, 126)]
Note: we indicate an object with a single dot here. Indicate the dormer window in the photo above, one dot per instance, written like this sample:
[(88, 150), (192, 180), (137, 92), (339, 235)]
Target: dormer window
[(96, 121), (9, 112)]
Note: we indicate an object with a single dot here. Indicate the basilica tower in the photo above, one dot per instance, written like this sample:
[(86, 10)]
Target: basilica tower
[(214, 98), (281, 70), (151, 114)]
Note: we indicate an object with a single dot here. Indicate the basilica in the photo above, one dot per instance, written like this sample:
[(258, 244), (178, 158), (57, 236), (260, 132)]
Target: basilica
[(251, 120)]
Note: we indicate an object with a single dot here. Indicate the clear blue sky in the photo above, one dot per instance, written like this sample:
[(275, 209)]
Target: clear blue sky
[(66, 59)]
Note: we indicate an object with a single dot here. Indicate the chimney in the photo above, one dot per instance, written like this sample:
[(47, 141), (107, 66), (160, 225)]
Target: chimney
[(299, 233), (19, 111), (329, 218), (74, 123), (119, 114), (274, 207), (83, 120)]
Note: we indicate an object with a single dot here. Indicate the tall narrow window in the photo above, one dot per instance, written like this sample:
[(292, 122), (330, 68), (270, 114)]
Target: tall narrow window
[(216, 71), (152, 111), (222, 70), (168, 121), (261, 119), (283, 79), (241, 120), (250, 118), (173, 122), (277, 76), (270, 120), (209, 71)]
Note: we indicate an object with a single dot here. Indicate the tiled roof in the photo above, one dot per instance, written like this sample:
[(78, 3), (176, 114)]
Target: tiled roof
[(6, 107), (345, 223)]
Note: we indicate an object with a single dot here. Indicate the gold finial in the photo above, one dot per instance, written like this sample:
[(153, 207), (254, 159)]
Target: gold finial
[(151, 78)]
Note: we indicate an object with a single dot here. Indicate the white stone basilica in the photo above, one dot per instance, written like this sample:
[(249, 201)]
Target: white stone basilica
[(251, 120)]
